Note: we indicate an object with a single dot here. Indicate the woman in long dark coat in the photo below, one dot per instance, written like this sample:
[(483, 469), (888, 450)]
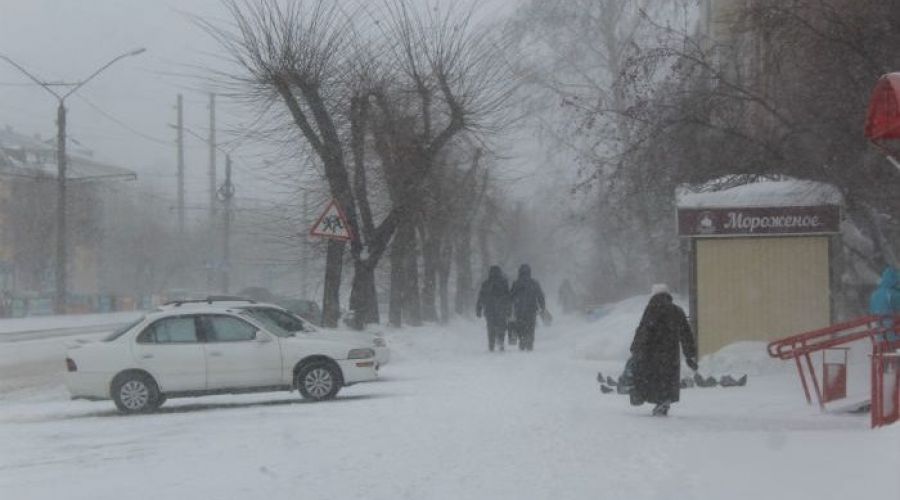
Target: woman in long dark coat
[(655, 352)]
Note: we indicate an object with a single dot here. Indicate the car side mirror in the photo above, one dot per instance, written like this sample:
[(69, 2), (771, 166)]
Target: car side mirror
[(262, 337)]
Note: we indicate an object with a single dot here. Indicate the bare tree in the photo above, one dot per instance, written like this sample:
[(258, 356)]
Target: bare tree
[(456, 84), (784, 95), (580, 51), (317, 63)]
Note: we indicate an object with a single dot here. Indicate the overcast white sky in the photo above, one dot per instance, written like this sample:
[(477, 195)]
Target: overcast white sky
[(68, 39), (124, 115)]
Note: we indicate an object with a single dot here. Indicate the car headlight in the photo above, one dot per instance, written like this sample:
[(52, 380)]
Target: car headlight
[(361, 353), (379, 342)]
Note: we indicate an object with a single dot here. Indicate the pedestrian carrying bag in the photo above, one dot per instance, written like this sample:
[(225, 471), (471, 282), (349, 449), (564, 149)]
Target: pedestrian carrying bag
[(512, 326), (546, 317), (626, 382), (627, 377)]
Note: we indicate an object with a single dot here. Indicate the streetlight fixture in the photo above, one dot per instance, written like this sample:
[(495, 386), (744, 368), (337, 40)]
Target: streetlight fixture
[(61, 244)]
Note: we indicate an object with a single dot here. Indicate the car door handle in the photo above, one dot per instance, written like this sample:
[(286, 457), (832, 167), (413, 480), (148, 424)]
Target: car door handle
[(146, 356), (217, 354)]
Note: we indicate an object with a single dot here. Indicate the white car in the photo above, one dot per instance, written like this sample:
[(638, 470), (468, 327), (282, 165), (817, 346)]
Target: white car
[(211, 350), (291, 322)]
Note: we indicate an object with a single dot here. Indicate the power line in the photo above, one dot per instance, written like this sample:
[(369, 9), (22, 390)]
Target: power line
[(242, 168), (93, 132), (32, 84), (123, 124)]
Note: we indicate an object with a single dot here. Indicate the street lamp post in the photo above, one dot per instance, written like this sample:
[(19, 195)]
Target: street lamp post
[(61, 236)]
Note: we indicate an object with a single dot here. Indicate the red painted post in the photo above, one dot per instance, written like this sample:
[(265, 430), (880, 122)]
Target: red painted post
[(885, 387), (815, 381)]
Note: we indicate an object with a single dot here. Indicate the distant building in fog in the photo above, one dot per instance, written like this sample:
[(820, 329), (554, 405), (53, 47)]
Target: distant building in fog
[(28, 193)]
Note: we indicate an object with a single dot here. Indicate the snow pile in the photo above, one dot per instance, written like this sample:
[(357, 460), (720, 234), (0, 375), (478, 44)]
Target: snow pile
[(764, 194), (609, 337), (741, 358)]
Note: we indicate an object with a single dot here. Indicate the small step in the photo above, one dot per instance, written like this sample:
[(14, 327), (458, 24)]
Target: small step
[(856, 406)]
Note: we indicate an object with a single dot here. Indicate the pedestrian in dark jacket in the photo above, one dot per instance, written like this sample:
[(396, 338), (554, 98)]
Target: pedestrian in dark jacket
[(528, 300), (655, 352), (494, 303)]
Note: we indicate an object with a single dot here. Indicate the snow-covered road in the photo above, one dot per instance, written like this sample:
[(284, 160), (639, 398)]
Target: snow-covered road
[(449, 420)]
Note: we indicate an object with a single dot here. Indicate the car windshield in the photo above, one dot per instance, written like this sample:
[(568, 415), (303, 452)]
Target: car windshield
[(122, 330), (270, 324)]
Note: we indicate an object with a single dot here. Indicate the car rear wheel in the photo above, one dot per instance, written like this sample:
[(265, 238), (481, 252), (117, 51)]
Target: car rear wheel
[(136, 393), (319, 381)]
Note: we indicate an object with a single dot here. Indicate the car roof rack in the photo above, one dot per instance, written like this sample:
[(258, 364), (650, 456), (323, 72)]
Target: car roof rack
[(210, 299)]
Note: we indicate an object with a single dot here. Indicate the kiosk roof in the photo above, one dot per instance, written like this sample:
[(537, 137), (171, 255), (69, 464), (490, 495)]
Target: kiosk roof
[(783, 193)]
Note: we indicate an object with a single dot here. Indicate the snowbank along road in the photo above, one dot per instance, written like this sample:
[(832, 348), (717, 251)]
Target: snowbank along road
[(447, 420)]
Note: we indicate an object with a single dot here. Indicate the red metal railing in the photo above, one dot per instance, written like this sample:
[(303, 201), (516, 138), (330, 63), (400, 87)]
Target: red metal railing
[(885, 403), (801, 347)]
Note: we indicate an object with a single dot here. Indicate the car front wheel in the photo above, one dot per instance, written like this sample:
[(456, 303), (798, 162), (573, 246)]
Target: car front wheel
[(319, 381), (135, 393)]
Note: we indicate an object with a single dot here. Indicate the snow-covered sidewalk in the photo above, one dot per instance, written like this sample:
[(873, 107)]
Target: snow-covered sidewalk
[(450, 420), (68, 321), (32, 350)]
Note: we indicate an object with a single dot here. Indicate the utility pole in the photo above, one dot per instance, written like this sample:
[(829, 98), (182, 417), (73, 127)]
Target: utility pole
[(180, 141), (212, 157), (61, 208), (226, 193), (213, 202), (61, 241)]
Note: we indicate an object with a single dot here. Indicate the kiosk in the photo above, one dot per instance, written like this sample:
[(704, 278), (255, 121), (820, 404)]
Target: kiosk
[(759, 260)]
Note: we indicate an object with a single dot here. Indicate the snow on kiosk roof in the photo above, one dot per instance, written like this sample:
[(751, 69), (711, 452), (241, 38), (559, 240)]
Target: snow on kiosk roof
[(787, 193)]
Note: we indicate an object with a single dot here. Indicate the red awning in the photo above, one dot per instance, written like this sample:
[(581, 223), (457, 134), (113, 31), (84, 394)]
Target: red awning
[(883, 119)]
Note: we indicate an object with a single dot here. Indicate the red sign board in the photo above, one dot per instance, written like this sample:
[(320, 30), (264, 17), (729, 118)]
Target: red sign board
[(752, 221), (883, 118)]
